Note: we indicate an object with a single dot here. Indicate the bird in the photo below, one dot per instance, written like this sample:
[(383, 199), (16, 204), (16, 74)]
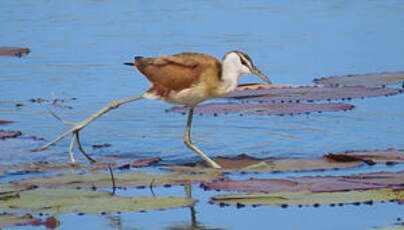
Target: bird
[(186, 78)]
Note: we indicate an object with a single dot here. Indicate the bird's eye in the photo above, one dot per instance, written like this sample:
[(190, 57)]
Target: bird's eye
[(243, 62)]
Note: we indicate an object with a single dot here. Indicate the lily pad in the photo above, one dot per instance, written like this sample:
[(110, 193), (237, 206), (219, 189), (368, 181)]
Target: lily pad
[(9, 220), (307, 198), (2, 122), (246, 163), (101, 164), (5, 134), (376, 156), (13, 51), (290, 94), (348, 159), (127, 179), (314, 184), (64, 201), (263, 109), (369, 80)]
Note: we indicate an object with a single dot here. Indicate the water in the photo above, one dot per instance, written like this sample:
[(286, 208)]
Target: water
[(78, 48)]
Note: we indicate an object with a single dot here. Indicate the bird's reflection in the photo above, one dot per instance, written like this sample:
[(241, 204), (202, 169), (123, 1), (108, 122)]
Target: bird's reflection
[(195, 225), (115, 221)]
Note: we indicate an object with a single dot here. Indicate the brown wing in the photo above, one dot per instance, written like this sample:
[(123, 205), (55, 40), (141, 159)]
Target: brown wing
[(178, 71)]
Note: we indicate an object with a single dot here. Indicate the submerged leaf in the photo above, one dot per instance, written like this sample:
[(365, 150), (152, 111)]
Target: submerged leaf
[(64, 201), (263, 109), (369, 80), (289, 94), (133, 179), (307, 198)]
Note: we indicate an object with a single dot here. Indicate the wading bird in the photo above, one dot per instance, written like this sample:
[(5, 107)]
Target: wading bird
[(184, 78)]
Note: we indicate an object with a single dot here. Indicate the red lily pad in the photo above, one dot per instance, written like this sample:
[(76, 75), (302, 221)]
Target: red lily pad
[(13, 51), (377, 156), (5, 134), (2, 122), (145, 162), (289, 94), (263, 109), (368, 80), (314, 184)]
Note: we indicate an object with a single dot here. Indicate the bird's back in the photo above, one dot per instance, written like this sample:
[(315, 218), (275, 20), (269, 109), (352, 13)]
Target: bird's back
[(177, 72)]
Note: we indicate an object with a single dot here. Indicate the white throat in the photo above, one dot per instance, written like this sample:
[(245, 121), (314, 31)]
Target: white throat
[(231, 72)]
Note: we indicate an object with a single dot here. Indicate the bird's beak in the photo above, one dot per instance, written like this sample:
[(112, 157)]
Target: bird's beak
[(129, 63), (261, 75)]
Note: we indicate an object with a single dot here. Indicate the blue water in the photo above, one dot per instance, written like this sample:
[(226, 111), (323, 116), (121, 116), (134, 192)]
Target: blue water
[(78, 47)]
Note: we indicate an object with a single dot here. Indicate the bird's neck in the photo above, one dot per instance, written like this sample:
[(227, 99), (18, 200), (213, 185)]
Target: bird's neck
[(230, 75)]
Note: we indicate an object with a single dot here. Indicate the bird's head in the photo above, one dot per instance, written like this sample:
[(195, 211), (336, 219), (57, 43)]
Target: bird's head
[(242, 63)]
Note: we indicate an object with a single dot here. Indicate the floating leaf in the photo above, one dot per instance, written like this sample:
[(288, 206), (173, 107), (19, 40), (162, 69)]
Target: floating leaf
[(263, 109), (64, 201), (5, 134), (10, 191), (368, 80), (2, 122), (377, 156), (313, 184), (307, 198), (145, 162), (290, 94), (101, 164), (245, 163), (9, 220), (13, 51), (133, 178), (98, 146)]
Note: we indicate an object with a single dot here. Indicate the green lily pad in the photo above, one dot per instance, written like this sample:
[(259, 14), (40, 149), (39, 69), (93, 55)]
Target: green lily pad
[(307, 198), (65, 201), (101, 164), (10, 191), (127, 179)]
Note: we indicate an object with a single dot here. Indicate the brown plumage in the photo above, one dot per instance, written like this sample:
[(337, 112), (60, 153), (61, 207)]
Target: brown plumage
[(169, 75)]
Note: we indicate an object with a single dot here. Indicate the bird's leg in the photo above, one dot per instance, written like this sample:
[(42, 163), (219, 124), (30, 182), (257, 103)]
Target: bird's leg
[(82, 150), (77, 127), (188, 142)]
